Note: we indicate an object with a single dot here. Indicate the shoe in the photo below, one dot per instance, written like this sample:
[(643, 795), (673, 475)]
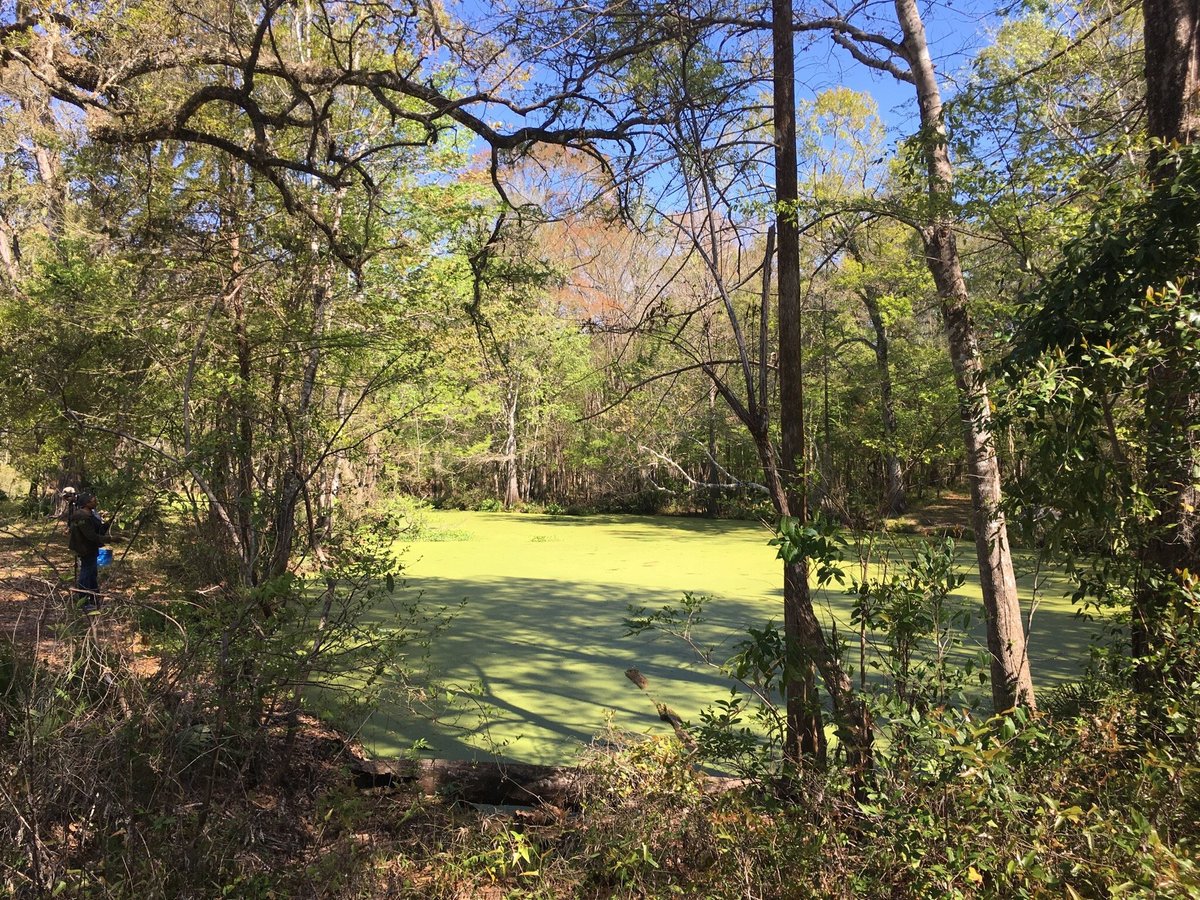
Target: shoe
[(90, 609)]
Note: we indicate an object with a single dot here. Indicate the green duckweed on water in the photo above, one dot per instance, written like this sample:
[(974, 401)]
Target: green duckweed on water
[(536, 656)]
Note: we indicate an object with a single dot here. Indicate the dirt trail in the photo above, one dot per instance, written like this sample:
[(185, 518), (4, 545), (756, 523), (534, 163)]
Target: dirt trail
[(36, 605), (950, 511), (35, 572)]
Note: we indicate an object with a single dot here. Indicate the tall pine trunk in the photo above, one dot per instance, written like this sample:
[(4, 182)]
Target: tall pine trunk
[(804, 636)]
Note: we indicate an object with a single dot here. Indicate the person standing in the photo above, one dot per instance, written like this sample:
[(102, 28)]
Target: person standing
[(87, 532)]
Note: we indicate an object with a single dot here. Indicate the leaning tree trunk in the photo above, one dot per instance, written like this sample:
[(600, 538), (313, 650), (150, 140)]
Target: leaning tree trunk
[(1012, 682)]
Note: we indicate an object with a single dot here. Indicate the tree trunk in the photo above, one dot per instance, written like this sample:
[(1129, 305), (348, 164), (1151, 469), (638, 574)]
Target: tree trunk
[(1172, 48), (1012, 682), (834, 485), (50, 173), (35, 106), (512, 484), (298, 469), (802, 631), (1172, 69), (10, 252), (805, 731), (244, 447), (499, 782), (331, 486), (241, 449), (712, 507), (894, 500)]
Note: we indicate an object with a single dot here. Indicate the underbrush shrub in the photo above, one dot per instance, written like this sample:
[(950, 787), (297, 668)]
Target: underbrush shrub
[(745, 508), (1020, 806), (120, 786), (330, 638), (109, 788), (1099, 795), (407, 519), (646, 828), (958, 806), (639, 503), (652, 783), (84, 761), (655, 824), (114, 783)]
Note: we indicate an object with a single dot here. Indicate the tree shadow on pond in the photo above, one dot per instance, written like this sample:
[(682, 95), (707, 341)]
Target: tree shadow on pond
[(537, 665)]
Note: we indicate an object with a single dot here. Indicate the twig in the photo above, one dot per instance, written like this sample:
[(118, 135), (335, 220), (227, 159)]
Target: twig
[(665, 712)]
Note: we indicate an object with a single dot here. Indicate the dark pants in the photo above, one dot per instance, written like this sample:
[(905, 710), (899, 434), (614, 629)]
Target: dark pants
[(89, 579)]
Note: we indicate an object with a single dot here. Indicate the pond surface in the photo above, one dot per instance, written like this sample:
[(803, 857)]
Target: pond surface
[(538, 653)]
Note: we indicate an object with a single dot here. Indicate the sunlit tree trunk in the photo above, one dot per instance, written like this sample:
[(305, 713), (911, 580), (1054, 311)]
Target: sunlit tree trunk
[(512, 483), (1012, 682)]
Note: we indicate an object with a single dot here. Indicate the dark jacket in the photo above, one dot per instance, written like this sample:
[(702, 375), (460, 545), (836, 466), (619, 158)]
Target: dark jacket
[(87, 533)]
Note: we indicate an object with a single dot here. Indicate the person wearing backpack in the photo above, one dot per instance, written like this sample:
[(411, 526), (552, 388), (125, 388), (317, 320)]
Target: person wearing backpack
[(87, 532)]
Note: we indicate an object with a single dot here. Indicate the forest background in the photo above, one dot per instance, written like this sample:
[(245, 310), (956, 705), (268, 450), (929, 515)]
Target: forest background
[(275, 274)]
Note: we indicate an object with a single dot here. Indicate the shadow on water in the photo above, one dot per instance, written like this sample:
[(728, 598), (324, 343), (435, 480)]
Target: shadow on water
[(633, 526), (537, 664)]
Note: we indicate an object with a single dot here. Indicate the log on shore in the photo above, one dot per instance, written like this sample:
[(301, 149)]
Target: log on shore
[(501, 783), (494, 782)]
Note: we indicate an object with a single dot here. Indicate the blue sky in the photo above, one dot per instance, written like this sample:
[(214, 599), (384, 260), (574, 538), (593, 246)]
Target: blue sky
[(956, 30)]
